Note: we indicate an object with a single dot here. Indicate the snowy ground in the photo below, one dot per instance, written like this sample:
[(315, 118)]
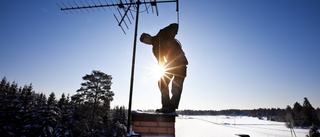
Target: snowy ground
[(229, 126)]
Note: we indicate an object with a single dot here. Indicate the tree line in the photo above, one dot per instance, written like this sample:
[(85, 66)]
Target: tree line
[(23, 112), (299, 115)]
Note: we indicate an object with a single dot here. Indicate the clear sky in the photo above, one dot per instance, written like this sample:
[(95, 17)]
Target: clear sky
[(243, 54)]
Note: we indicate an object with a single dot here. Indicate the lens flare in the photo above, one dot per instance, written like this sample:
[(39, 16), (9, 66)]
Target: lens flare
[(159, 71)]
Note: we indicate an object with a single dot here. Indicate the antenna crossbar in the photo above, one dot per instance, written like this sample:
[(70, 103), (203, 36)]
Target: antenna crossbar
[(120, 5)]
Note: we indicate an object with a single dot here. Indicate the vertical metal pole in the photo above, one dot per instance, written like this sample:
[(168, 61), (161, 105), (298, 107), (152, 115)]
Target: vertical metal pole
[(132, 69), (178, 12)]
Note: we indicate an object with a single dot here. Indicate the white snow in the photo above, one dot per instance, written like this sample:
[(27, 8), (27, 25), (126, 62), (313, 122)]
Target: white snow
[(229, 126)]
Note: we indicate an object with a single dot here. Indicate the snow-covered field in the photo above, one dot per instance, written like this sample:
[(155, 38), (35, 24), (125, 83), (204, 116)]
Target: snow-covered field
[(229, 126)]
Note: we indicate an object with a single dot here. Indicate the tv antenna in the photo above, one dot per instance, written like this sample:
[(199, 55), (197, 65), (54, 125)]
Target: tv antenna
[(124, 9)]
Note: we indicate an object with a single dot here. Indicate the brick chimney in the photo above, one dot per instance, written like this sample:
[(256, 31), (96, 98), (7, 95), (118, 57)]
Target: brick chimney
[(151, 124)]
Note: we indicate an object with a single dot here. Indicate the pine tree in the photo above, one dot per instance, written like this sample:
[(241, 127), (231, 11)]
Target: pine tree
[(119, 121), (309, 113), (318, 115), (107, 121), (54, 116), (289, 117), (304, 115), (11, 109), (95, 91), (3, 103), (298, 115), (40, 115), (66, 123), (28, 101), (82, 118), (16, 106), (62, 104)]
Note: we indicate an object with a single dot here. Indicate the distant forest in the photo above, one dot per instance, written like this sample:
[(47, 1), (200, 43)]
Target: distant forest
[(300, 115), (23, 112)]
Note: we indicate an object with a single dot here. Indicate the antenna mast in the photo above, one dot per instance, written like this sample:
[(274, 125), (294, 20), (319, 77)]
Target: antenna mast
[(123, 9)]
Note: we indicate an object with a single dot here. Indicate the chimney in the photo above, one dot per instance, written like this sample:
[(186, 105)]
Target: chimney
[(151, 124)]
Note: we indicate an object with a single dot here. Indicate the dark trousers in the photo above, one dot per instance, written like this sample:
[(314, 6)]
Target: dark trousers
[(177, 84)]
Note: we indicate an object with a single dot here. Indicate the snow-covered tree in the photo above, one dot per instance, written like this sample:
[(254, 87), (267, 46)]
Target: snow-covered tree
[(107, 121), (66, 122), (40, 115), (54, 116), (10, 107), (119, 121), (28, 102)]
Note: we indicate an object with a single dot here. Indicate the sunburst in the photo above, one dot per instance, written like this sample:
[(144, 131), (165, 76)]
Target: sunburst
[(159, 71)]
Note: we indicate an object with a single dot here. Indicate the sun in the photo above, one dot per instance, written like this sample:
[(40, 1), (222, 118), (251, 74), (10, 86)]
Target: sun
[(156, 70), (159, 71)]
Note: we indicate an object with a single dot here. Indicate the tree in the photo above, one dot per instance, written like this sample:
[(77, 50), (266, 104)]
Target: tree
[(309, 113), (96, 88), (318, 114), (94, 92), (28, 102), (66, 123), (54, 116), (304, 115), (107, 121), (10, 108), (297, 115), (119, 121), (289, 117), (40, 115)]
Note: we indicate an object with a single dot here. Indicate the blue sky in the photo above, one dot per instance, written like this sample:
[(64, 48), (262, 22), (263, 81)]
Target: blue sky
[(242, 54)]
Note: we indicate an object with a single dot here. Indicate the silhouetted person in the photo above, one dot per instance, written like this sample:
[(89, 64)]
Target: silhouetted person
[(169, 54)]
